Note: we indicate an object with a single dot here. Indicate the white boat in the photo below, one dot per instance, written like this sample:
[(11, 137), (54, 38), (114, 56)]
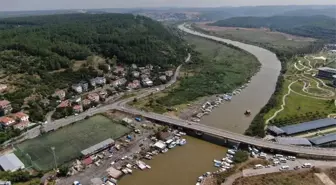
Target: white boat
[(178, 141), (129, 170), (149, 167), (182, 133), (183, 142), (164, 150), (217, 161), (125, 171), (148, 157), (172, 145)]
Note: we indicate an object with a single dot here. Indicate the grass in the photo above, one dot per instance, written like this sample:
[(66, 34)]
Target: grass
[(68, 142), (262, 37), (281, 178), (216, 69), (300, 108)]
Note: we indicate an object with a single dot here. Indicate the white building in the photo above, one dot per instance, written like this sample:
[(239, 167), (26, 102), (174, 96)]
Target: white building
[(10, 162)]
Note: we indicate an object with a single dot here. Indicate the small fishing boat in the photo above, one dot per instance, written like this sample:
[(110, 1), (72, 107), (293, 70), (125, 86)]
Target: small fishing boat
[(129, 170), (164, 150), (216, 161), (183, 142), (148, 157), (247, 112), (172, 145), (149, 167)]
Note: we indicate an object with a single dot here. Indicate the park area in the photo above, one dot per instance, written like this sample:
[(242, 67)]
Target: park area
[(68, 142)]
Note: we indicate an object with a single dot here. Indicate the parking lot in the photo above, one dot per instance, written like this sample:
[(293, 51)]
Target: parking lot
[(298, 162)]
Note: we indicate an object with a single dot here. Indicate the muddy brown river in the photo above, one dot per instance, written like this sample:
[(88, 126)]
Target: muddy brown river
[(182, 165), (230, 115)]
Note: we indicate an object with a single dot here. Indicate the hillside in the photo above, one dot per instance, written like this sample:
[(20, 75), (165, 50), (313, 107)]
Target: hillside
[(321, 27), (42, 53)]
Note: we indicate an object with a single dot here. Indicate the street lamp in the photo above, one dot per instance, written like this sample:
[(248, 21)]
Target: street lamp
[(53, 150)]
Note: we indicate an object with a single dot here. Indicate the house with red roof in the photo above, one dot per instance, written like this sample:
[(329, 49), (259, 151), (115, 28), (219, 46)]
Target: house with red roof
[(60, 94), (22, 125), (63, 104), (77, 108), (21, 117), (94, 97), (7, 121)]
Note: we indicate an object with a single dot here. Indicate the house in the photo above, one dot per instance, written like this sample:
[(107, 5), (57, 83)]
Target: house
[(7, 121), (103, 94), (85, 85), (60, 94), (119, 71), (21, 125), (134, 85), (21, 117), (63, 104), (100, 80), (94, 97), (135, 74), (77, 108), (119, 82), (5, 107), (144, 76), (163, 78), (169, 73), (134, 66), (3, 87), (147, 82), (145, 71), (93, 82), (77, 88), (86, 102), (149, 66)]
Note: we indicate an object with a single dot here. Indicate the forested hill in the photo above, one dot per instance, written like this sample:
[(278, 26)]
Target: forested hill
[(51, 42), (321, 27)]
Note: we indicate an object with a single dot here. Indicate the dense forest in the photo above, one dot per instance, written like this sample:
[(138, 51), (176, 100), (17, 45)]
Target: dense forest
[(320, 27), (37, 54)]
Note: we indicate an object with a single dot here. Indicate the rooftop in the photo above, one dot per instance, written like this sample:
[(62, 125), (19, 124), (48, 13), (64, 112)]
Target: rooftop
[(98, 146), (323, 139), (20, 115), (311, 125), (293, 141), (10, 162), (4, 103), (275, 130), (6, 119), (328, 69)]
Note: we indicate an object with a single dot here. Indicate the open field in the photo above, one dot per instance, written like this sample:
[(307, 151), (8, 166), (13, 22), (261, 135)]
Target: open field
[(281, 178), (216, 69), (68, 142), (263, 37)]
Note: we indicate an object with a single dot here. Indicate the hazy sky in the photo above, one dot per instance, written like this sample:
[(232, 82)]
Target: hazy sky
[(10, 5)]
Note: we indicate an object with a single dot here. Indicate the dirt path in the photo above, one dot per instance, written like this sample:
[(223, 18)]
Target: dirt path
[(324, 178)]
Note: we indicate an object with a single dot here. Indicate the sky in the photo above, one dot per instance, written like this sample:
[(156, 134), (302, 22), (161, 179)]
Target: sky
[(16, 5)]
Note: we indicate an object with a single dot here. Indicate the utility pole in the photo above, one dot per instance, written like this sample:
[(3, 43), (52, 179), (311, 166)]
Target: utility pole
[(53, 150)]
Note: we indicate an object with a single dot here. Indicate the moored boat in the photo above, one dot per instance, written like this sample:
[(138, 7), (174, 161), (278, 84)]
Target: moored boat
[(183, 142)]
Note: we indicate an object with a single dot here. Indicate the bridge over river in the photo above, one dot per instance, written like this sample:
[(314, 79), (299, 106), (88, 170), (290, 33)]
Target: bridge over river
[(324, 153)]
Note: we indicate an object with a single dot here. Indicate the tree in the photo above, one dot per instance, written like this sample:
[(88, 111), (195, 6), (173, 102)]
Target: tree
[(63, 171), (240, 156)]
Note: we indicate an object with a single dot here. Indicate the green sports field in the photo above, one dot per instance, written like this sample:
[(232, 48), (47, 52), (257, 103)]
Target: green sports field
[(68, 142)]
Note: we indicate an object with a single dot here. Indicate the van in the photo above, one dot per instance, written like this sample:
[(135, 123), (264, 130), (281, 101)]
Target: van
[(255, 150), (262, 156), (275, 163), (284, 168), (258, 166), (278, 156), (306, 165), (282, 160), (292, 158)]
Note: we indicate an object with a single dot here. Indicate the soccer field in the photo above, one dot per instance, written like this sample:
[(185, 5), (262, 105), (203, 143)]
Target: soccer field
[(68, 142)]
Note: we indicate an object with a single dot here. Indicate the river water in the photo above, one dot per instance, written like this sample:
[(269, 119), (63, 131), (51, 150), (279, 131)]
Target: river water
[(230, 115), (182, 165)]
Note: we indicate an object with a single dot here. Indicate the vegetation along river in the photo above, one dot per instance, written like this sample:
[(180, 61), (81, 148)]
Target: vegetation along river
[(181, 165), (230, 115)]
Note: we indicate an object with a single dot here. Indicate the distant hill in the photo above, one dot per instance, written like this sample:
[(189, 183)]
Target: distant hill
[(321, 27)]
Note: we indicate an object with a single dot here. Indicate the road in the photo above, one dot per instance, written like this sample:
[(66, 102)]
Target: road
[(120, 105)]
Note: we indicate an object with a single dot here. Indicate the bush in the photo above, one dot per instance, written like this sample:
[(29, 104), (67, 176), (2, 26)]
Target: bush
[(240, 156)]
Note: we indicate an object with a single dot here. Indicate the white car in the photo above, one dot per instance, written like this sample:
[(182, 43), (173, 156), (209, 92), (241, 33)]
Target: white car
[(284, 168)]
